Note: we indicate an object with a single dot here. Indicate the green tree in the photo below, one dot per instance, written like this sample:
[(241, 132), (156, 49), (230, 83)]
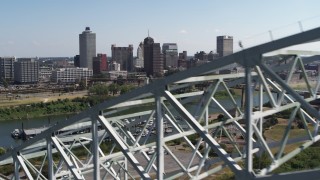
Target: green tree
[(262, 161), (5, 83), (99, 89), (83, 84), (125, 88), (114, 88), (120, 80)]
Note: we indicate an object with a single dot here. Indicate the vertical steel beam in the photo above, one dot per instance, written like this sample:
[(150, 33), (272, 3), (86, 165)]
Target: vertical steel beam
[(207, 123), (16, 167), (95, 149), (260, 123), (125, 174), (248, 119), (50, 160), (160, 161)]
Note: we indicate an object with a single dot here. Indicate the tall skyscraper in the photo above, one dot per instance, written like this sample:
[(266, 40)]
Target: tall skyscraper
[(7, 68), (123, 56), (153, 61), (87, 46), (170, 55), (224, 45)]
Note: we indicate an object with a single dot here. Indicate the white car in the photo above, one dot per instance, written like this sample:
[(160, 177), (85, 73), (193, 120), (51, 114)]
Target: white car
[(151, 151)]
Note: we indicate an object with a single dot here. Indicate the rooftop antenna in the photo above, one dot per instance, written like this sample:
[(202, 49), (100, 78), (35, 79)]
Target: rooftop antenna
[(148, 33)]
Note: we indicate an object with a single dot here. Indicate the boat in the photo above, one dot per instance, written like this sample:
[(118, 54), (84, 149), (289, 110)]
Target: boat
[(16, 134)]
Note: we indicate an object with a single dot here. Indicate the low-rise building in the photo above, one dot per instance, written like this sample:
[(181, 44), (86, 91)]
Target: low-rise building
[(45, 73), (70, 75), (99, 63), (113, 75), (115, 66)]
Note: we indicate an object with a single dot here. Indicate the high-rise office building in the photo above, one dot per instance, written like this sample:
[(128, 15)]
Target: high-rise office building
[(76, 61), (139, 61), (212, 56), (203, 56), (140, 51), (26, 70), (224, 45), (183, 55), (170, 55), (87, 46), (7, 68), (100, 63), (182, 62), (153, 61), (123, 56)]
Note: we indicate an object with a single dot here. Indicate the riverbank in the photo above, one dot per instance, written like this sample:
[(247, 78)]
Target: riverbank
[(36, 110)]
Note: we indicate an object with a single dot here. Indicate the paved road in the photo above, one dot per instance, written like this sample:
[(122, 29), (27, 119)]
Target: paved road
[(170, 164)]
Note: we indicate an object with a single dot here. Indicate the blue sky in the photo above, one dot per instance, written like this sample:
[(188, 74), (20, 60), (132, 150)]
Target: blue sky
[(52, 28)]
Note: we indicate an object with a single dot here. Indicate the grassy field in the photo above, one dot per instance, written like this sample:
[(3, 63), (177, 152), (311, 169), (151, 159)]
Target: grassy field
[(276, 133), (37, 97)]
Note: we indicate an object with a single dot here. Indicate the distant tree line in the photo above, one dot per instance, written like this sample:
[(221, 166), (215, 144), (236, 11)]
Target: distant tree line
[(97, 94)]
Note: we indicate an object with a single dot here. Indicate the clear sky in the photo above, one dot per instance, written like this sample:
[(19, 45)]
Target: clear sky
[(52, 27)]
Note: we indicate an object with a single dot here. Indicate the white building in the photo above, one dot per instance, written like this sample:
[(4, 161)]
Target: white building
[(115, 66), (115, 74), (139, 60), (70, 75), (45, 73)]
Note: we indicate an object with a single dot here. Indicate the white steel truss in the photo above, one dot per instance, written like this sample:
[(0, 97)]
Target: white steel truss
[(178, 127)]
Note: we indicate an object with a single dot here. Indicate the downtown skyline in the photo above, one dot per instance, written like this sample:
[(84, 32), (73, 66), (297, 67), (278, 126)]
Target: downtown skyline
[(51, 28)]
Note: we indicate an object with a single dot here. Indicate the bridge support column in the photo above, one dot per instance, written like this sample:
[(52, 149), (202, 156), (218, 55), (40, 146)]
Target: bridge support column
[(248, 119), (160, 153), (95, 149), (50, 160), (16, 168), (125, 174)]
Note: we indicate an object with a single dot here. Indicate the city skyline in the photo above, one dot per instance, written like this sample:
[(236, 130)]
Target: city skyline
[(52, 28)]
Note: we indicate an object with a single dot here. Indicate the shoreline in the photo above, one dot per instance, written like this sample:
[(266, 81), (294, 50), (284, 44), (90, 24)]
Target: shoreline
[(40, 116)]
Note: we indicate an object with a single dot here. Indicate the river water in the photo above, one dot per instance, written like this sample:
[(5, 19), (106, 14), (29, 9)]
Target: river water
[(6, 127)]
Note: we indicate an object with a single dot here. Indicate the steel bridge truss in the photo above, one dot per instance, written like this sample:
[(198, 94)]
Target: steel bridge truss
[(178, 127)]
